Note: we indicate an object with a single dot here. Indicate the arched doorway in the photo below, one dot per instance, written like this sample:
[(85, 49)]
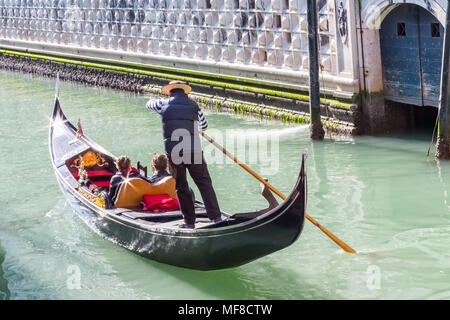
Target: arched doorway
[(411, 41)]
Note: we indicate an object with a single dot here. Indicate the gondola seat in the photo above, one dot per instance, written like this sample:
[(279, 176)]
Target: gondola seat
[(100, 178), (131, 192)]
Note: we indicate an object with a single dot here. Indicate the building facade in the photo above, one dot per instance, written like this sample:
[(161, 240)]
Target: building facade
[(370, 50)]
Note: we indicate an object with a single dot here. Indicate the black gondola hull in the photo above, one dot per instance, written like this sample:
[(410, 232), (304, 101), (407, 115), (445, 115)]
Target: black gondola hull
[(223, 246)]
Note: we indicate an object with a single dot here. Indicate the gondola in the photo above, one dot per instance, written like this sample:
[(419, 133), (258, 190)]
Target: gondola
[(238, 239)]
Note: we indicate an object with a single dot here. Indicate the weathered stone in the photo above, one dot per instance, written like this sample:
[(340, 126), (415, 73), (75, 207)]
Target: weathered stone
[(443, 149)]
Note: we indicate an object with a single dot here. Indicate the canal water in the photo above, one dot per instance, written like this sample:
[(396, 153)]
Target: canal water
[(382, 195)]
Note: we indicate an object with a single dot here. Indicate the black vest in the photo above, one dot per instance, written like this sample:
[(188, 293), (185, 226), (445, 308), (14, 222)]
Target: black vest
[(180, 124)]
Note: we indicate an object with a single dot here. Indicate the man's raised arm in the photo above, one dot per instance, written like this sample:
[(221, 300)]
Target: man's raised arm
[(203, 124), (155, 105)]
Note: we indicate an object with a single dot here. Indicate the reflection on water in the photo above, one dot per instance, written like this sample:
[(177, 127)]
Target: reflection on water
[(381, 195), (317, 161), (4, 291), (445, 186)]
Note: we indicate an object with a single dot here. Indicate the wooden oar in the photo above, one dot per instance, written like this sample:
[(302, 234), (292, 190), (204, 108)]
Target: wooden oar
[(338, 241)]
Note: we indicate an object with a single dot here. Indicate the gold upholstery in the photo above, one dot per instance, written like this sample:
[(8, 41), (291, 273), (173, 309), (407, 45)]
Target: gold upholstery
[(131, 192)]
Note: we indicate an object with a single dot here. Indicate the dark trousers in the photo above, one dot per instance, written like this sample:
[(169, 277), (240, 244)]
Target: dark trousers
[(200, 175)]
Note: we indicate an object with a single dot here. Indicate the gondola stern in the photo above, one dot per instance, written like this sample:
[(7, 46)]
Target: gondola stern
[(301, 184), (296, 211)]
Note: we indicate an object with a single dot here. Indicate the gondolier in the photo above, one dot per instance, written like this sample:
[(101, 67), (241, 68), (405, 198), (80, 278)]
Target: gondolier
[(181, 121)]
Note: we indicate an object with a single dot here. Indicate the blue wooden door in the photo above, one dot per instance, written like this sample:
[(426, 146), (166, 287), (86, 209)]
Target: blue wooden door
[(411, 52), (431, 42)]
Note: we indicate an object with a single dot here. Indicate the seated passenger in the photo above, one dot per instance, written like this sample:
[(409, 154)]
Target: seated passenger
[(160, 166), (123, 165)]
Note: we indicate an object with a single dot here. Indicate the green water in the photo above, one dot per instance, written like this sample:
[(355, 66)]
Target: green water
[(382, 195)]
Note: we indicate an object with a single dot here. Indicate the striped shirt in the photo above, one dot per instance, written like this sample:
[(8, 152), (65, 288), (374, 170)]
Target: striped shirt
[(159, 104)]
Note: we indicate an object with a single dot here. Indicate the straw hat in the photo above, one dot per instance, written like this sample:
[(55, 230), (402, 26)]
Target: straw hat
[(176, 84)]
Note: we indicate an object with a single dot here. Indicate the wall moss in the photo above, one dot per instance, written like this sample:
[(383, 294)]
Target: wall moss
[(147, 81), (178, 74)]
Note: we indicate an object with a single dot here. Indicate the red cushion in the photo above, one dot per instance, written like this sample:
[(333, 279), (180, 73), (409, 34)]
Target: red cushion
[(97, 173), (160, 203)]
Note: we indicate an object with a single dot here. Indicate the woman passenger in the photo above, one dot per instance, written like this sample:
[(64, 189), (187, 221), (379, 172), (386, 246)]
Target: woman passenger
[(123, 165), (160, 166)]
